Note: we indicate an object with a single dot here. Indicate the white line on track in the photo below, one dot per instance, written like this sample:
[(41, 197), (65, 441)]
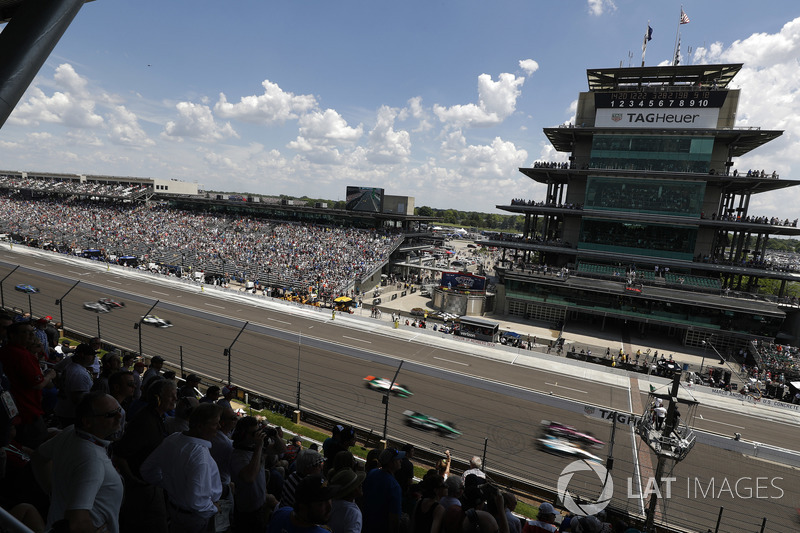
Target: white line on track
[(161, 293), (212, 305), (563, 387), (276, 320), (450, 361), (112, 281), (355, 339), (40, 264), (75, 272), (723, 423)]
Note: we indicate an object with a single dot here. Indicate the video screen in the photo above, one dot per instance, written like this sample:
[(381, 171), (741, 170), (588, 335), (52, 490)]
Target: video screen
[(368, 199)]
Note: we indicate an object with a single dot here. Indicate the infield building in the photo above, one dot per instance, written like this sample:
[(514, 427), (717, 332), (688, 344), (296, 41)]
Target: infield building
[(649, 222)]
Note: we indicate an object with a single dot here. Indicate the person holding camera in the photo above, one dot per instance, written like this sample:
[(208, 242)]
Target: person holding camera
[(253, 504)]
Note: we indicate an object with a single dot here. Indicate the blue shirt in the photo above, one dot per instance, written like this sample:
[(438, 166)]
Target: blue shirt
[(382, 498)]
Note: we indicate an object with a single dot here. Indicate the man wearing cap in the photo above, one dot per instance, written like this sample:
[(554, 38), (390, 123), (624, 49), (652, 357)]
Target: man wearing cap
[(382, 495), (77, 381), (189, 388), (545, 520), (308, 463), (345, 514), (292, 449), (154, 371), (228, 394), (312, 508)]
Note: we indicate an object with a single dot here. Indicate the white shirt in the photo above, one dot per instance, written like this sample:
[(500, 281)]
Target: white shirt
[(83, 478), (183, 467), (221, 451), (345, 517), (477, 471)]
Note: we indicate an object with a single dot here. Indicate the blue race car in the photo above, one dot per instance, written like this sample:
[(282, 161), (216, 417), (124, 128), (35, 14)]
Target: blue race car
[(30, 289)]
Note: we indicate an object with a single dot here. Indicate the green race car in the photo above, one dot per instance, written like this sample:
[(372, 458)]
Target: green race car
[(429, 423)]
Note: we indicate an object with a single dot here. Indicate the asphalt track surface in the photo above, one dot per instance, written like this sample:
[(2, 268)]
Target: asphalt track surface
[(498, 405)]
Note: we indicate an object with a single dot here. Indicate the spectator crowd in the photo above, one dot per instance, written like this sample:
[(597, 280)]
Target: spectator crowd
[(109, 445), (300, 255)]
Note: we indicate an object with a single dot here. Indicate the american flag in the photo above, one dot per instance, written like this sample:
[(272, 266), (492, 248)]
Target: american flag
[(684, 17)]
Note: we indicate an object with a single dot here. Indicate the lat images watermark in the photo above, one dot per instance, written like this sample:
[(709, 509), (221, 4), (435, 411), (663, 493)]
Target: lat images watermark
[(693, 488), (742, 488), (605, 494)]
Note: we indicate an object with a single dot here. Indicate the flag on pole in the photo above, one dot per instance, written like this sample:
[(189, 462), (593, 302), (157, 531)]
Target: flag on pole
[(647, 37), (684, 17)]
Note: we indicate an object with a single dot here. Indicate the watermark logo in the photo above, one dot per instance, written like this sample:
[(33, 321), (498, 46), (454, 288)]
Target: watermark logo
[(569, 502)]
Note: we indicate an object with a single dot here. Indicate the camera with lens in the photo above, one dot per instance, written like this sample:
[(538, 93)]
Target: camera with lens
[(269, 432), (485, 493)]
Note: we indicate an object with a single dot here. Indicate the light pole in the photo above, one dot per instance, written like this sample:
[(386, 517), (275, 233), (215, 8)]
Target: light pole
[(2, 298), (385, 400), (138, 325), (60, 303), (227, 352)]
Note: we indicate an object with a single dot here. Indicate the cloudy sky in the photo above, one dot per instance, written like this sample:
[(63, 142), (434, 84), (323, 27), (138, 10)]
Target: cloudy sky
[(442, 100)]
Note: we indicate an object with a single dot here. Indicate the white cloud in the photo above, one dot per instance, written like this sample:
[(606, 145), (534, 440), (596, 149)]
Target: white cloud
[(497, 101), (315, 152), (274, 106), (499, 160), (197, 122), (598, 7), (770, 100), (385, 144), (71, 106), (124, 128), (415, 110), (529, 66), (328, 127)]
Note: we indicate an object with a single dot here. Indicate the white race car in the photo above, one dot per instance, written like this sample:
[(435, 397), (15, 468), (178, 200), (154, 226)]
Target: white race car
[(97, 307), (383, 384), (153, 320), (559, 446)]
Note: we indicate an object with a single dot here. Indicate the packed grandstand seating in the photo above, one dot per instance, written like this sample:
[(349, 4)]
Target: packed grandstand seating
[(273, 252), (95, 189)]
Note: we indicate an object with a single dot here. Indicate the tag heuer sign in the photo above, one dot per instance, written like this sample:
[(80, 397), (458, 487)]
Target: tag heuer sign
[(616, 117)]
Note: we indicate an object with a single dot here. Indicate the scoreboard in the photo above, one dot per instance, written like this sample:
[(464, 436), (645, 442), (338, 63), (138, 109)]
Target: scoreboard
[(673, 108), (660, 100)]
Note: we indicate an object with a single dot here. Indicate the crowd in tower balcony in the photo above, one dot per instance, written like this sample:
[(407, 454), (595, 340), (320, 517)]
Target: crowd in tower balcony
[(534, 203), (558, 165), (772, 221), (757, 174)]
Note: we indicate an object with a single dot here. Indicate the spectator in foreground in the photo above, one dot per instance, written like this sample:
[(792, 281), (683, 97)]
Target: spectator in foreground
[(382, 506), (345, 514), (86, 489), (545, 520), (312, 508), (182, 465), (475, 467), (27, 381)]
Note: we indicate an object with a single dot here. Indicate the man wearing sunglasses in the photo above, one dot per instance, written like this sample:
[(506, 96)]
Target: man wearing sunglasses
[(85, 489)]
